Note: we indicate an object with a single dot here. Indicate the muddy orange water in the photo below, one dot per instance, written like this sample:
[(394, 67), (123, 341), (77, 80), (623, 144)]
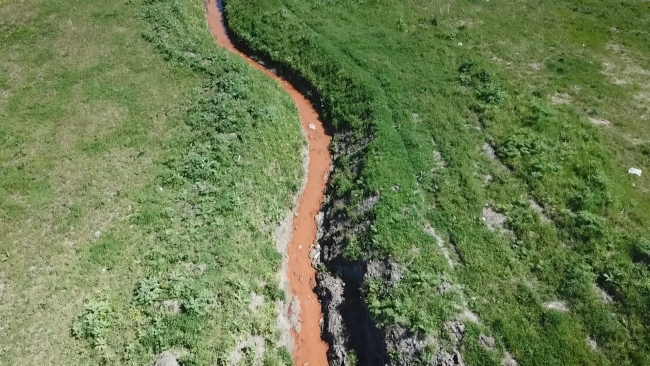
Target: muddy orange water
[(310, 349)]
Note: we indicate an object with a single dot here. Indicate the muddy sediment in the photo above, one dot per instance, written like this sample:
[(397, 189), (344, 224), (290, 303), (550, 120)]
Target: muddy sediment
[(308, 346)]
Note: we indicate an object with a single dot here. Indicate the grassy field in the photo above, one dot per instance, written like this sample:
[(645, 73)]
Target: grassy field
[(501, 137), (143, 172)]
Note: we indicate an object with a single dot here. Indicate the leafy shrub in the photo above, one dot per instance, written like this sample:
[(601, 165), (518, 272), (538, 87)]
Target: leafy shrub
[(490, 94), (588, 226), (147, 291), (589, 199), (485, 89), (198, 303), (93, 322), (578, 282), (539, 117), (466, 66), (521, 144), (529, 152)]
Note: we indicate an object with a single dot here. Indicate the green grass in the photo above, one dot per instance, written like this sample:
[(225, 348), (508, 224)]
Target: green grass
[(525, 77), (126, 118)]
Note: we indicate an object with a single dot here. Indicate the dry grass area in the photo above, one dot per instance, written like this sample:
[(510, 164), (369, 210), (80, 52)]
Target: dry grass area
[(78, 146), (143, 172)]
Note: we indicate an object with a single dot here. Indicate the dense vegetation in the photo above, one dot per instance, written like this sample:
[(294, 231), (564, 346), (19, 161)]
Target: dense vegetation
[(141, 181), (527, 113)]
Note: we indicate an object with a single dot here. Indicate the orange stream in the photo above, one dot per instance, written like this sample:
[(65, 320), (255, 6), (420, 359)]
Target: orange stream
[(310, 349)]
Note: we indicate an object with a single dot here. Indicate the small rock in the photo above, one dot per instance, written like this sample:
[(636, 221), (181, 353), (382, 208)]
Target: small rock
[(97, 234), (368, 203), (314, 253), (257, 301), (604, 296), (171, 306), (487, 179), (509, 361), (486, 342), (592, 344), (168, 358), (599, 121), (254, 346), (495, 220), (444, 287), (444, 358), (469, 316), (456, 330)]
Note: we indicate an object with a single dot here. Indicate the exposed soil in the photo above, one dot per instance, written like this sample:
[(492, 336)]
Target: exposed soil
[(310, 349)]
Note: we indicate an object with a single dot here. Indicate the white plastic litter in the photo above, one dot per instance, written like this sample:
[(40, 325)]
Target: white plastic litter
[(312, 127), (634, 171), (97, 234), (460, 43)]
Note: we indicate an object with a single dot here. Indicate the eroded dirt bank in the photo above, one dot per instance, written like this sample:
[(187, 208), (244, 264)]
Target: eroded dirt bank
[(309, 348)]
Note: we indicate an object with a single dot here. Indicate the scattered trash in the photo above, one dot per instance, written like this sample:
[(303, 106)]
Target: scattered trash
[(460, 43), (97, 233), (634, 171), (312, 127)]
